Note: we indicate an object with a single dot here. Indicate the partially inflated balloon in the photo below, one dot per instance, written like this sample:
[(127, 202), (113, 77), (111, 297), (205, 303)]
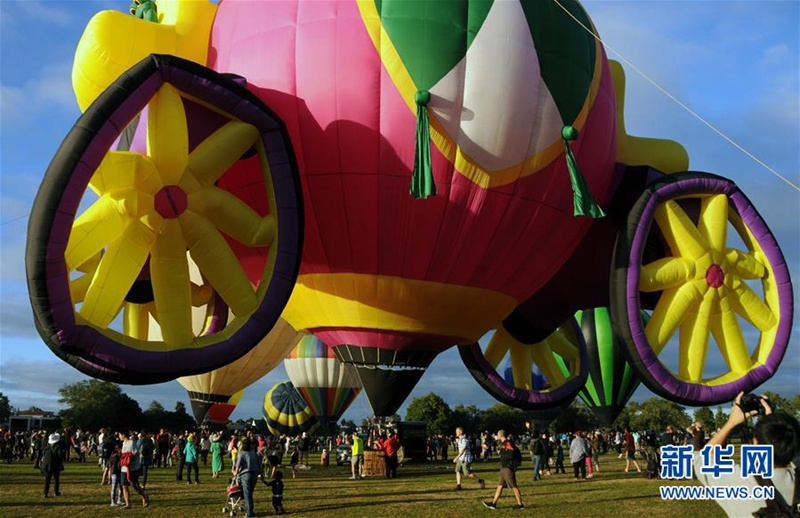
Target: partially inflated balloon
[(286, 412), (327, 385), (217, 386)]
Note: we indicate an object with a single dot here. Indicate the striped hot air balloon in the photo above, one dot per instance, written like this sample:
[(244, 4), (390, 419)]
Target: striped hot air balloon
[(286, 412), (612, 381), (328, 385)]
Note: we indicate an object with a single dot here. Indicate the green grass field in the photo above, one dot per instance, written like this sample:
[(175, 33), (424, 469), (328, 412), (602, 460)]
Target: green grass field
[(422, 490)]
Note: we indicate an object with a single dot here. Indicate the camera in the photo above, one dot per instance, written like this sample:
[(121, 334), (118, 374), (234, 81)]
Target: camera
[(750, 403)]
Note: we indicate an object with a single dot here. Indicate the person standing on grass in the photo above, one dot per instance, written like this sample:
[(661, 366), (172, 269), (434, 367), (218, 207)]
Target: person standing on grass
[(277, 492), (630, 451), (537, 453), (190, 458), (146, 451), (217, 455), (303, 446), (205, 447), (595, 443), (463, 460), (52, 464), (105, 454), (180, 447), (510, 459), (390, 447), (131, 469), (115, 474), (356, 455), (560, 456), (577, 455), (162, 456), (247, 469)]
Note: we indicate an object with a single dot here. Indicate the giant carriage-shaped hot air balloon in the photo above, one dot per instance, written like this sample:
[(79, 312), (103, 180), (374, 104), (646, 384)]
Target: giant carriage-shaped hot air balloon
[(508, 111)]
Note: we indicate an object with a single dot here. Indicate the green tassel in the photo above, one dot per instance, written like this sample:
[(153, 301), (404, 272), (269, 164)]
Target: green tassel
[(583, 202), (422, 184)]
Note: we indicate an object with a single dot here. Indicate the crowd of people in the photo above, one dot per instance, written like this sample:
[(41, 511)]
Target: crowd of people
[(125, 458)]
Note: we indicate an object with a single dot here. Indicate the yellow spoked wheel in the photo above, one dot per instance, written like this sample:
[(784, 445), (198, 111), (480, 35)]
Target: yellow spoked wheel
[(531, 376), (724, 280), (127, 259)]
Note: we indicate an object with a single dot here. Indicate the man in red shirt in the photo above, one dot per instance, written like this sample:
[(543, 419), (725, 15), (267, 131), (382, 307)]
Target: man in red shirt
[(390, 446)]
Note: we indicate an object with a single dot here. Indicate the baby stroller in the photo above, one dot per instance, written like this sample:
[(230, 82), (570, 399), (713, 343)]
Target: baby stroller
[(653, 463), (235, 500)]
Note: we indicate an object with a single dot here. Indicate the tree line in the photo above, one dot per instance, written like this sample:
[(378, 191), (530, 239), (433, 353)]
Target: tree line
[(652, 414), (95, 404)]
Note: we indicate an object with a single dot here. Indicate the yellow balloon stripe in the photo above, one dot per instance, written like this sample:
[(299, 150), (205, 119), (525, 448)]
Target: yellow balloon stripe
[(498, 347), (542, 355), (78, 287), (91, 231), (118, 269), (136, 322), (679, 231), (116, 172), (91, 265), (521, 365), (713, 224), (169, 273), (730, 340), (744, 265), (672, 308), (749, 305), (216, 154), (233, 216), (168, 134), (122, 170), (218, 263), (666, 273), (694, 336)]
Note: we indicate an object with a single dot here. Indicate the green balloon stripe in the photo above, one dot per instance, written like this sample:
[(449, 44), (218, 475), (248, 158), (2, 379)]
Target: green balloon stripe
[(607, 351), (431, 37), (566, 52)]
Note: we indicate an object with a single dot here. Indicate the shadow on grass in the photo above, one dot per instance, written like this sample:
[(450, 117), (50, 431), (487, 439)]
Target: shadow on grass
[(372, 504)]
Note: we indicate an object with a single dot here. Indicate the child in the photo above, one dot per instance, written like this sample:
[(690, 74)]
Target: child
[(293, 461), (560, 457), (323, 459), (277, 492), (115, 471)]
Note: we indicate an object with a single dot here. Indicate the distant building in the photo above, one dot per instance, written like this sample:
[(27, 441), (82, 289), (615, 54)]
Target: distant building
[(33, 419)]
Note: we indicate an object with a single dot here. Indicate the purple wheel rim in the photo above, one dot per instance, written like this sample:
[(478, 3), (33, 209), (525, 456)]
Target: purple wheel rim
[(493, 383), (625, 288), (67, 178)]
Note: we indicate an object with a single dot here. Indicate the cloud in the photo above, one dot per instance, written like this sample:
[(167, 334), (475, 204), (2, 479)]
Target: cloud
[(47, 12), (50, 90), (16, 316)]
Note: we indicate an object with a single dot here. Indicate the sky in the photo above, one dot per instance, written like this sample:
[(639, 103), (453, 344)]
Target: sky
[(734, 63)]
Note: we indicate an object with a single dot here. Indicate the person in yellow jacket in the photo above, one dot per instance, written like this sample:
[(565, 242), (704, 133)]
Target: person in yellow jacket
[(356, 456)]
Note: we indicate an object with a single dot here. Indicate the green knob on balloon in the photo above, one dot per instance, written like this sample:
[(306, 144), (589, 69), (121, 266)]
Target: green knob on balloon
[(422, 97), (569, 133)]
